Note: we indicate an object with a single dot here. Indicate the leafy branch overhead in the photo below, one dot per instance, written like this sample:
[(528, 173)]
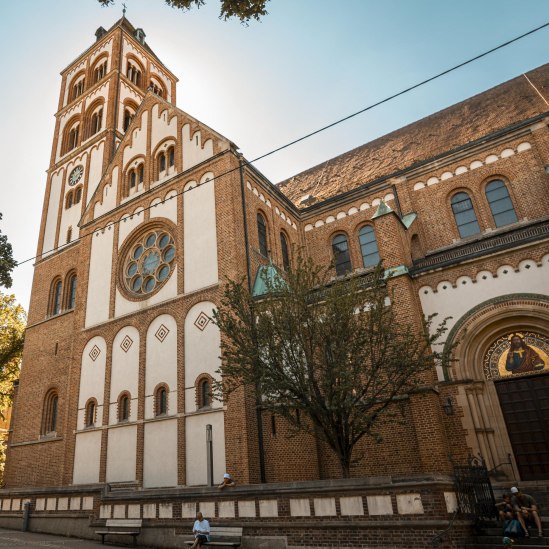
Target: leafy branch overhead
[(245, 10), (7, 263), (330, 357)]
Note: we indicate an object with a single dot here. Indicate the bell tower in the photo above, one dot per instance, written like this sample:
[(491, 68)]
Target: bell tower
[(100, 93)]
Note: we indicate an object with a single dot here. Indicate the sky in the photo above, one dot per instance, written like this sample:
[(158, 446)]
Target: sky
[(305, 65)]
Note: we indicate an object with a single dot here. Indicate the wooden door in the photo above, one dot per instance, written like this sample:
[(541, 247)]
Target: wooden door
[(525, 405)]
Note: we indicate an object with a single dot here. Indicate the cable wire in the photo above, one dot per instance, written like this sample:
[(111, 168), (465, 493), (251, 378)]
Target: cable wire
[(308, 135)]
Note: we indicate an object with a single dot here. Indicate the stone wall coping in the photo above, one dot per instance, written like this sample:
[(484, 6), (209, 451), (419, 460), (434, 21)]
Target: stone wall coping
[(77, 490)]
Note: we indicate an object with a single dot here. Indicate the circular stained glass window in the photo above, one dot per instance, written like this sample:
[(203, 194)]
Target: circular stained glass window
[(149, 262)]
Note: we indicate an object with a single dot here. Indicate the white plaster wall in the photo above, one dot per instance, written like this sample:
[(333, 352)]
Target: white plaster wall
[(195, 447), (70, 76), (202, 350), (450, 301), (53, 206), (123, 306), (99, 281), (121, 454), (128, 47), (193, 150), (199, 236), (96, 167), (108, 195), (128, 224), (166, 208), (163, 125), (106, 47), (161, 363), (92, 380), (87, 454), (138, 140), (124, 372), (160, 454)]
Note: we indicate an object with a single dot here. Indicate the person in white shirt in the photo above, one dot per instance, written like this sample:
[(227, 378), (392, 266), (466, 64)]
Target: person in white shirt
[(201, 530)]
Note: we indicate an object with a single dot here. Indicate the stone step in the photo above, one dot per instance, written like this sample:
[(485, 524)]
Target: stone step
[(526, 542), (499, 545)]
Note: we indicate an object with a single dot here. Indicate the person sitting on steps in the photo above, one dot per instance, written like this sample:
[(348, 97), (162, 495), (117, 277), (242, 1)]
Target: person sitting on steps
[(526, 508), (505, 508)]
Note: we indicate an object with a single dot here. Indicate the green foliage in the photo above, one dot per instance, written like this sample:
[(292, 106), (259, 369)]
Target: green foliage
[(333, 349), (12, 336), (245, 10), (7, 263)]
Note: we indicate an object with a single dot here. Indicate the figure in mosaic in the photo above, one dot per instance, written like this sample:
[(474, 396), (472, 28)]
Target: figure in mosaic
[(521, 357)]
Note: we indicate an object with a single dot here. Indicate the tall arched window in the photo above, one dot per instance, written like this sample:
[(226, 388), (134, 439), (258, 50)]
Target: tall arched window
[(69, 234), (205, 393), (162, 162), (161, 401), (133, 73), (464, 214), (96, 121), (368, 246), (56, 298), (49, 414), (99, 71), (262, 235), (90, 412), (72, 139), (500, 203), (71, 298), (133, 179), (140, 173), (128, 117), (285, 251), (171, 156), (69, 200), (342, 257), (124, 407), (78, 195), (155, 87), (78, 88)]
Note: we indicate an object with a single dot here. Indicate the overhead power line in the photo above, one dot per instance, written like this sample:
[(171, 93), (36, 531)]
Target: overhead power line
[(315, 132)]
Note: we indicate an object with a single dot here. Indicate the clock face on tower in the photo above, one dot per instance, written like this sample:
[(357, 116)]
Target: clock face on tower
[(75, 175)]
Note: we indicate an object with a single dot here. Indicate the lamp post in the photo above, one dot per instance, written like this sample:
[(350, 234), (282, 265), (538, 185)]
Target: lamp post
[(209, 454)]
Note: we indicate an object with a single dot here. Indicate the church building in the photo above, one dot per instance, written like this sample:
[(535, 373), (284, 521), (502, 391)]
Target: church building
[(148, 211)]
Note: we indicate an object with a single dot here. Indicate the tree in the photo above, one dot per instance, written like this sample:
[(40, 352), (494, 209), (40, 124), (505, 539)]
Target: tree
[(245, 10), (334, 350), (7, 263)]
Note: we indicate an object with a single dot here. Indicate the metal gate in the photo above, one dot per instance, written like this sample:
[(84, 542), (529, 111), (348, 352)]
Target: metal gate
[(474, 490)]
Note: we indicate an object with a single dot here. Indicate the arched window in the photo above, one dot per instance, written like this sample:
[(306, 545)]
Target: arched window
[(171, 156), (368, 246), (96, 121), (72, 138), (464, 214), (500, 203), (204, 393), (78, 195), (69, 234), (50, 412), (99, 71), (128, 117), (155, 87), (90, 413), (162, 162), (342, 257), (140, 172), (133, 73), (161, 401), (69, 200), (124, 407), (133, 179), (285, 251), (56, 298), (262, 235), (71, 298), (78, 88)]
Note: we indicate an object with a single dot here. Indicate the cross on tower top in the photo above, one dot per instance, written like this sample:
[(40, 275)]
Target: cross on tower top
[(123, 10)]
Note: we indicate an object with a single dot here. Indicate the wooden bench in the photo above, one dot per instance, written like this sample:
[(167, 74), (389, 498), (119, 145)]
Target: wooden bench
[(121, 527), (222, 536)]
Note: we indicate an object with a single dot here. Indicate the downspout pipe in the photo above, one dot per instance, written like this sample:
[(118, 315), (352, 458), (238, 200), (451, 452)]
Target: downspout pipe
[(259, 418)]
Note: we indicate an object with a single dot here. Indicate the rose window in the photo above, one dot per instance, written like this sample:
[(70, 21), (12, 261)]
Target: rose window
[(149, 262)]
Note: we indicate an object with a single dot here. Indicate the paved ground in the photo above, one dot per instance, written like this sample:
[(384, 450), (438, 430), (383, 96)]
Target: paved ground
[(15, 538)]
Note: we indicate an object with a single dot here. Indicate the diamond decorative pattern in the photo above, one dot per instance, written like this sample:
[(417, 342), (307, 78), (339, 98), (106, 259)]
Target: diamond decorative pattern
[(202, 320), (95, 352), (126, 343), (162, 333)]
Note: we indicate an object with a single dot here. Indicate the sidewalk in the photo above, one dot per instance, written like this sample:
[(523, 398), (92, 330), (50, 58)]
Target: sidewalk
[(16, 538)]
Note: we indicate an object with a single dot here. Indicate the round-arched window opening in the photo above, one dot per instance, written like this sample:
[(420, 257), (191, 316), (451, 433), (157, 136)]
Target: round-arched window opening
[(149, 262)]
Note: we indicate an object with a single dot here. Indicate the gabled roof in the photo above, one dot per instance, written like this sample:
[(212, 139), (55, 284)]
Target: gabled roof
[(470, 120), (150, 100)]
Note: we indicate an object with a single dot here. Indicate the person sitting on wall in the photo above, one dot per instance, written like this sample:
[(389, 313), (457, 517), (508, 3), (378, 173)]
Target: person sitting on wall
[(228, 482), (521, 357), (526, 509), (201, 531), (505, 508)]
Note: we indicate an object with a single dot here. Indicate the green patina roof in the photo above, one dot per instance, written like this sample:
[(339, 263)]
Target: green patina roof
[(382, 209), (267, 278)]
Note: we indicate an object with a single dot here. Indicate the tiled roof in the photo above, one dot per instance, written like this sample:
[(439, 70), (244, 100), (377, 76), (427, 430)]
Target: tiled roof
[(480, 115)]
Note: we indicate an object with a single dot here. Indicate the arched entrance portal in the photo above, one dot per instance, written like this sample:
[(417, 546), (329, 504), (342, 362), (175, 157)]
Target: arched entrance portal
[(519, 364), (502, 370)]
